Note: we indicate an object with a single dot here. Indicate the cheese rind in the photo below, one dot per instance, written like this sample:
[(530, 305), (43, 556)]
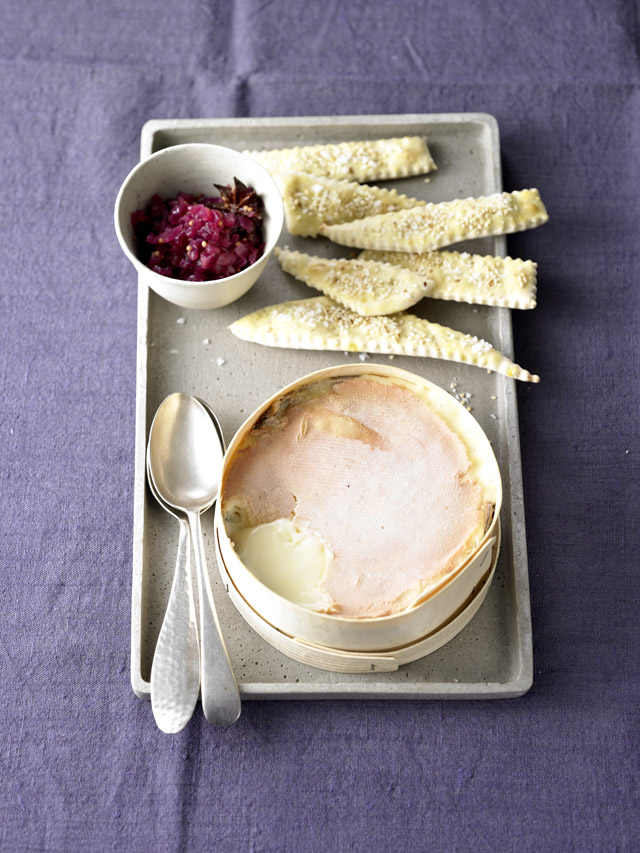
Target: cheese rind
[(461, 277), (362, 160), (421, 229), (312, 200), (367, 287), (321, 324)]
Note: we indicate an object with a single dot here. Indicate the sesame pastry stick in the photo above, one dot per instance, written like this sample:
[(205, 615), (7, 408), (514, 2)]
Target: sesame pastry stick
[(321, 324), (461, 277), (421, 229), (366, 287), (366, 160), (311, 201)]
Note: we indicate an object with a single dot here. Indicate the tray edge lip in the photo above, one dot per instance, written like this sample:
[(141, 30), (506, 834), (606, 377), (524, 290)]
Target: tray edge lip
[(153, 125), (513, 688), (250, 691), (139, 685)]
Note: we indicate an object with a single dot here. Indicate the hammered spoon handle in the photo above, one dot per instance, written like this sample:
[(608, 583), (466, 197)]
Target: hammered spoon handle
[(175, 672)]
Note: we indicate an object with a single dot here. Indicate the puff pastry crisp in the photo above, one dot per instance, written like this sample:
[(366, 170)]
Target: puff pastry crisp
[(311, 201), (386, 282), (367, 287), (461, 277), (322, 324), (366, 160), (421, 229)]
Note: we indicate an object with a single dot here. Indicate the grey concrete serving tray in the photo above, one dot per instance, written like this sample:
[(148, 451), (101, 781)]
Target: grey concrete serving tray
[(191, 351)]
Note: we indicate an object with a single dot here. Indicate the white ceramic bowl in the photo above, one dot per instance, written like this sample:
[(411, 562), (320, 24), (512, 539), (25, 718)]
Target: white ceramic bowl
[(194, 168), (438, 604)]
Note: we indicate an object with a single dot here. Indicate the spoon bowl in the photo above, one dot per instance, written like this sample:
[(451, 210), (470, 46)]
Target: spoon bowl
[(216, 423), (185, 457)]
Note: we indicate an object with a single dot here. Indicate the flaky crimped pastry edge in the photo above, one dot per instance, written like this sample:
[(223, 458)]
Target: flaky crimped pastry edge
[(406, 287), (332, 208), (434, 225), (382, 159), (454, 279), (321, 324)]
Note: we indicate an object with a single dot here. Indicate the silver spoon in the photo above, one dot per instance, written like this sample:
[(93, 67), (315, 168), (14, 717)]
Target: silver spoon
[(175, 671), (184, 460), (216, 422)]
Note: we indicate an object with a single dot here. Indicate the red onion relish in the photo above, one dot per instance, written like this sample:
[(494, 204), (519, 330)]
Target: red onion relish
[(201, 238)]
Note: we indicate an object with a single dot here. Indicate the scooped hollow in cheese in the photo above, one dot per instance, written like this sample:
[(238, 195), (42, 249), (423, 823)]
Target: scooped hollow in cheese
[(371, 470), (290, 561)]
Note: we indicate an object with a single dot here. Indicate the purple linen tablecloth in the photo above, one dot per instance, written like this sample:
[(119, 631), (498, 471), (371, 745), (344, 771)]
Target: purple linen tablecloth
[(82, 765)]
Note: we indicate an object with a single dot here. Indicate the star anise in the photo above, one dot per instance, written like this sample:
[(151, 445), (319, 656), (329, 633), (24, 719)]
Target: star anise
[(240, 199)]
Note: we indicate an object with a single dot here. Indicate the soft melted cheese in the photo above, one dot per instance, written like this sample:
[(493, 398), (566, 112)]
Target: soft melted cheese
[(289, 560)]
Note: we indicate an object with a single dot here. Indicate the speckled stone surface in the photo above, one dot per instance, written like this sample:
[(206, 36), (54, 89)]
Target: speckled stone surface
[(182, 350)]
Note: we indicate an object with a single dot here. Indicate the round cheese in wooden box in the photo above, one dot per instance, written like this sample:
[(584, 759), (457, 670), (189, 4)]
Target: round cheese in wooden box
[(356, 506)]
